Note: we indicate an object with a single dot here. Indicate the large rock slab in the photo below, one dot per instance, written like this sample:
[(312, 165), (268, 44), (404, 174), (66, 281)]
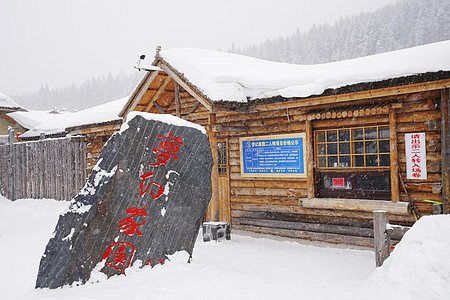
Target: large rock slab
[(144, 200)]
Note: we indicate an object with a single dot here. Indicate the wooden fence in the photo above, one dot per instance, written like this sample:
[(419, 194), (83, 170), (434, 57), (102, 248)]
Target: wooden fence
[(54, 169)]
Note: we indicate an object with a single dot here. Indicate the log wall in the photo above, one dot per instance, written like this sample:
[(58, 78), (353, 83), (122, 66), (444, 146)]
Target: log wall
[(274, 205), (54, 169)]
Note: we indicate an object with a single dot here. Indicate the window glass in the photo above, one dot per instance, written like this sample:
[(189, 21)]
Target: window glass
[(332, 161), (384, 133), (371, 147), (320, 137), (371, 134), (344, 148), (344, 135), (332, 136), (332, 148), (358, 134), (384, 146), (385, 160), (371, 161), (321, 150), (372, 183)]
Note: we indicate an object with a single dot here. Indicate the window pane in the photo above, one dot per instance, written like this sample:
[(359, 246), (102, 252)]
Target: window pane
[(371, 134), (332, 136), (384, 160), (322, 162), (332, 161), (344, 148), (344, 135), (344, 161), (359, 160), (320, 136), (384, 133), (371, 160), (372, 183), (371, 147), (321, 150), (358, 134), (358, 148), (384, 146), (332, 148)]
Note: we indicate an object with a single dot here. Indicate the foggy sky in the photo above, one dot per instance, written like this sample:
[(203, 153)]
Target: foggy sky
[(62, 42)]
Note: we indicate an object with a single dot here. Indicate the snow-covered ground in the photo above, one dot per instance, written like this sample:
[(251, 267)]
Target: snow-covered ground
[(244, 268)]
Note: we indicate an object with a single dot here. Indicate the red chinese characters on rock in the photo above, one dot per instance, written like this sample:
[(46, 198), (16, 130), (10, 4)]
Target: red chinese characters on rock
[(120, 254), (121, 259), (143, 191), (128, 225), (167, 149)]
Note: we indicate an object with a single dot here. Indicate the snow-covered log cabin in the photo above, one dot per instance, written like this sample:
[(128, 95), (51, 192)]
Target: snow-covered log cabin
[(7, 105), (309, 151)]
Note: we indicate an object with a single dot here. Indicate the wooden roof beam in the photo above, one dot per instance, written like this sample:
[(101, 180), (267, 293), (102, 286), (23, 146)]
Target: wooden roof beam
[(137, 95), (158, 93), (191, 91)]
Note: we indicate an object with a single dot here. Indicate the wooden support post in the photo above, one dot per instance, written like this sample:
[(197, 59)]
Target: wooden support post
[(11, 136), (309, 159), (445, 150), (393, 156), (177, 100), (380, 241), (213, 211)]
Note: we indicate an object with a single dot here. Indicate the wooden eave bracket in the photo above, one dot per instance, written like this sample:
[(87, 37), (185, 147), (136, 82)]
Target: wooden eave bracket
[(138, 93), (158, 93), (200, 98)]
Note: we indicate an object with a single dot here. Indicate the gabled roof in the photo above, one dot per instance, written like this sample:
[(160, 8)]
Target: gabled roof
[(57, 124), (224, 76), (8, 105), (217, 79)]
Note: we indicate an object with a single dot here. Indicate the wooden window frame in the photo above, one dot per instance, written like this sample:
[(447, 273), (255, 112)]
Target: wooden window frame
[(222, 157), (350, 170)]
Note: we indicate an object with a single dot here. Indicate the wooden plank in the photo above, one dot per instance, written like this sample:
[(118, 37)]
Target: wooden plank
[(381, 245), (401, 208)]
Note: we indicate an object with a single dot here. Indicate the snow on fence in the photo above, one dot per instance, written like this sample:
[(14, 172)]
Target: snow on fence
[(53, 168)]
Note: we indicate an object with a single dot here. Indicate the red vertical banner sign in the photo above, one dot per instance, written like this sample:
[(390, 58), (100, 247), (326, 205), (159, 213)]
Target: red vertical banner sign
[(416, 156)]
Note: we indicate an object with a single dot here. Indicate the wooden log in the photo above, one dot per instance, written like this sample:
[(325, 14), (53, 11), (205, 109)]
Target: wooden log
[(310, 227), (297, 209), (393, 156), (177, 99), (401, 208), (309, 160), (381, 243), (445, 149), (312, 236)]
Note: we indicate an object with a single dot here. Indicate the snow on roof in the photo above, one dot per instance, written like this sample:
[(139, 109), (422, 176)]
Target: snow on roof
[(7, 102), (40, 121), (232, 77)]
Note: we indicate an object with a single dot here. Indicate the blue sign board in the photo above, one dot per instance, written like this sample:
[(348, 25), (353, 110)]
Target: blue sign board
[(273, 155)]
